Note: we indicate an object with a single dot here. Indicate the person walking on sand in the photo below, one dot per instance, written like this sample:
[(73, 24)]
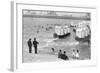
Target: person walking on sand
[(35, 43), (30, 45), (60, 54)]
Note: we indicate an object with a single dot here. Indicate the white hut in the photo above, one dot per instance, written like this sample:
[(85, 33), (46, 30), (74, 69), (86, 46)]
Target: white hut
[(82, 32), (62, 30)]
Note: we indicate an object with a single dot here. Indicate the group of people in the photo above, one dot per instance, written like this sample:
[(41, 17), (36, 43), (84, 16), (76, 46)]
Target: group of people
[(35, 43), (75, 54), (62, 55)]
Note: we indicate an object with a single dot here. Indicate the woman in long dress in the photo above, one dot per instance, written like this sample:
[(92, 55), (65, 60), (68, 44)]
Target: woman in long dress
[(77, 54)]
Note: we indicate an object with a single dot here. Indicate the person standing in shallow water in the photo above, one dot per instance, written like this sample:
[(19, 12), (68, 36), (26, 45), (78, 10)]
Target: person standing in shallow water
[(30, 45), (35, 43)]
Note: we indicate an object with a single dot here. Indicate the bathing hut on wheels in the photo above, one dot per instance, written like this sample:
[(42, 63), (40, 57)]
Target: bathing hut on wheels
[(61, 31), (83, 32)]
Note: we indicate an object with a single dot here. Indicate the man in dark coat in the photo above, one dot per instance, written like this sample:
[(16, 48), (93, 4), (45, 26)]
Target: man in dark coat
[(35, 43), (64, 56), (30, 45)]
